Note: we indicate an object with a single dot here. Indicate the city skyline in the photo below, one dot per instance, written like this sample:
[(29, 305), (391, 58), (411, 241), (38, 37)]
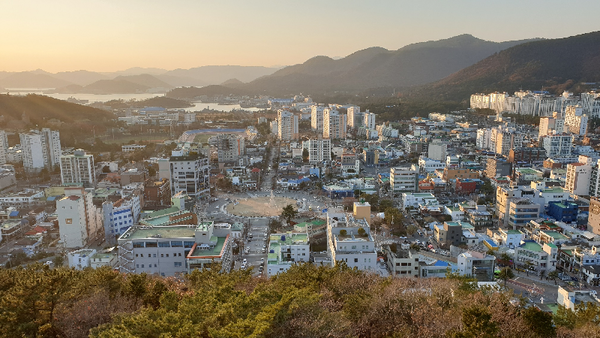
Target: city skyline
[(110, 35)]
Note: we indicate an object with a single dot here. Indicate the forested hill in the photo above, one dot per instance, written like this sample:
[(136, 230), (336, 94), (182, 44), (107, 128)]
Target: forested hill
[(306, 301), (375, 67), (39, 108), (554, 65)]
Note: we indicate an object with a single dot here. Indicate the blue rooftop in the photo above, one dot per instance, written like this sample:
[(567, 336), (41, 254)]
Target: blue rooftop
[(14, 214)]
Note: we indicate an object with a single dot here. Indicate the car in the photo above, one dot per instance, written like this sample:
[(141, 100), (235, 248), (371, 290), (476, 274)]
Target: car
[(244, 261), (262, 259)]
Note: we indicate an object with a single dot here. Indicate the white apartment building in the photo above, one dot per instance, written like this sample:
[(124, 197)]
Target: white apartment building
[(404, 180), (287, 125), (40, 149), (78, 168), (189, 172), (483, 138), (578, 178), (174, 249), (230, 147), (575, 120), (316, 118), (127, 148), (551, 125), (369, 120), (541, 259), (437, 150), (334, 124), (318, 150), (119, 216), (401, 263), (3, 147), (503, 139), (428, 165), (72, 221), (418, 198), (285, 250), (355, 117), (347, 243), (558, 146)]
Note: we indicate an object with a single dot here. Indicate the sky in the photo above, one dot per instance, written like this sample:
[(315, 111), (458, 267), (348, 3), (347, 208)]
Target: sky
[(112, 35)]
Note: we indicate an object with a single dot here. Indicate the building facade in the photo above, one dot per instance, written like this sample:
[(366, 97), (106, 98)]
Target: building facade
[(78, 168)]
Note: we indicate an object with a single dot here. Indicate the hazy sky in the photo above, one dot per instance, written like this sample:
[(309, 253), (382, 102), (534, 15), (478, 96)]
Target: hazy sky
[(109, 35)]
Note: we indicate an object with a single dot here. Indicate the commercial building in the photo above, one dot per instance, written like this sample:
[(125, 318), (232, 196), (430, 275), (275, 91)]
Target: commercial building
[(287, 125), (403, 180), (527, 154), (535, 257), (78, 168), (400, 262), (521, 211), (285, 250), (318, 150), (334, 124), (190, 173), (40, 149), (175, 249), (477, 265), (349, 240)]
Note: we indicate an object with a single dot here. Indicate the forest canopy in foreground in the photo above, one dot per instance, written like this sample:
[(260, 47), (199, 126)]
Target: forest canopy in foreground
[(306, 301)]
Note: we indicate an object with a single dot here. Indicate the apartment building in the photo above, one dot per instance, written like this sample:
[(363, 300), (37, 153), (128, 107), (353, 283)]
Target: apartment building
[(334, 124), (369, 120), (40, 149), (558, 146), (578, 178), (316, 118), (575, 120), (503, 139), (437, 150), (349, 240), (355, 117), (72, 221), (3, 147), (497, 168), (404, 180), (78, 168), (594, 217), (120, 216), (287, 125), (230, 147), (285, 250), (318, 150)]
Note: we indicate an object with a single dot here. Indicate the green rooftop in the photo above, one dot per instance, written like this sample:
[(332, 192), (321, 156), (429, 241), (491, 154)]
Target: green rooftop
[(210, 251), (532, 246), (172, 231), (164, 220), (554, 234), (528, 171)]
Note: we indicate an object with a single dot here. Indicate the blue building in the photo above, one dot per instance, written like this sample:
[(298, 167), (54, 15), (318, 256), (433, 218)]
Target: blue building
[(563, 211)]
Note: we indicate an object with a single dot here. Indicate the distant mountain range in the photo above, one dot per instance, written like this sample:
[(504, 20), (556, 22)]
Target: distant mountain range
[(374, 67), (133, 80), (555, 65)]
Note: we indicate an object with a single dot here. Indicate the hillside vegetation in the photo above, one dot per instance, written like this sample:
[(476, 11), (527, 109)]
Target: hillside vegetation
[(554, 65), (306, 301)]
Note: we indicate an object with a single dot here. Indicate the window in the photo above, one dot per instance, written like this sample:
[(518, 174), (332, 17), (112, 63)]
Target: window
[(136, 255), (162, 255), (167, 255), (153, 255), (176, 244), (151, 245), (142, 255), (164, 244), (178, 264), (355, 260), (138, 244), (188, 244), (142, 266)]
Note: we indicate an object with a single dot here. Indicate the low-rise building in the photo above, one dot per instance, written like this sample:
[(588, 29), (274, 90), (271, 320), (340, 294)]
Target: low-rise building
[(285, 250), (401, 263), (569, 297), (349, 240), (80, 259), (535, 257), (478, 265)]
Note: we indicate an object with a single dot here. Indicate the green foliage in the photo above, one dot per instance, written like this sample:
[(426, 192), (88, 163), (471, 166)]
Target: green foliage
[(362, 232), (343, 232), (477, 322), (505, 274), (539, 322), (288, 213)]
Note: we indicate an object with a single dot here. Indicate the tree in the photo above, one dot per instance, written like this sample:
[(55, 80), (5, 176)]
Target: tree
[(362, 232), (539, 322), (411, 229), (477, 322), (506, 273), (343, 232), (288, 213), (106, 169), (305, 155), (553, 275)]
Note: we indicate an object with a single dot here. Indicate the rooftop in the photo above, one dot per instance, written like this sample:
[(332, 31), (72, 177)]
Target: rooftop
[(204, 251), (173, 231), (531, 246)]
